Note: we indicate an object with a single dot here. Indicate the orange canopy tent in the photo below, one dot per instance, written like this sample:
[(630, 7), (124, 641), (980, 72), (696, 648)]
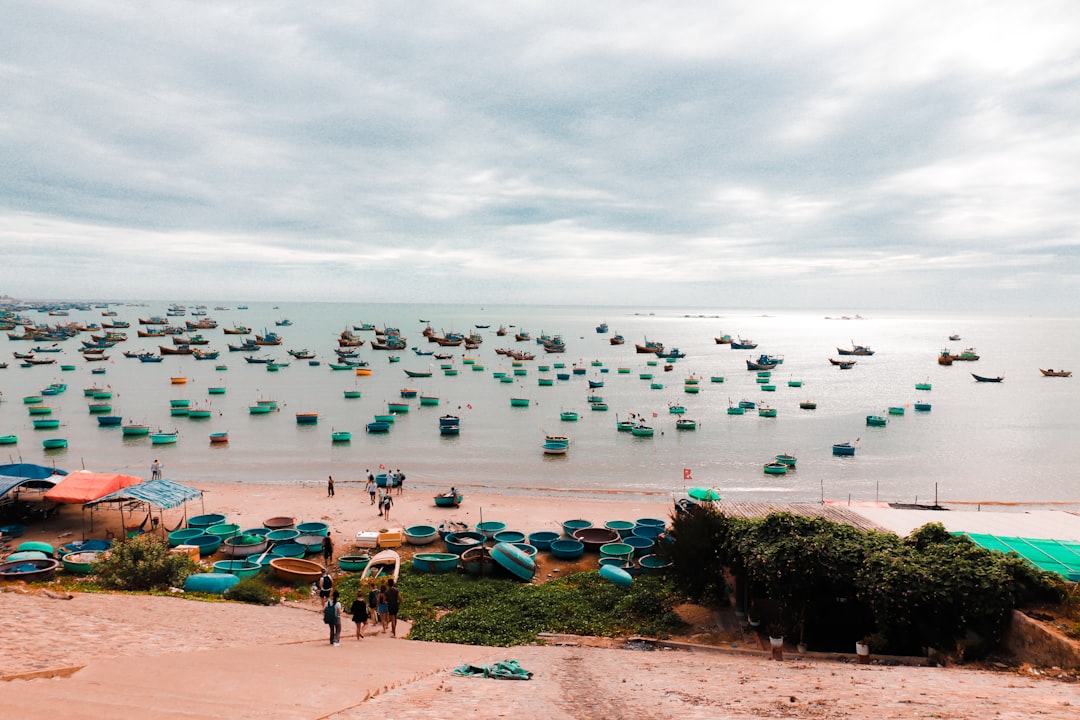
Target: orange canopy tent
[(83, 486)]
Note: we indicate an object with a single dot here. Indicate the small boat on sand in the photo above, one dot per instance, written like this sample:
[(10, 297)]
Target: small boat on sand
[(449, 499), (296, 569), (384, 563)]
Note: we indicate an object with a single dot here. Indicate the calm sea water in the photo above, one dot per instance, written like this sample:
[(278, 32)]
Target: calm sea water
[(1007, 442)]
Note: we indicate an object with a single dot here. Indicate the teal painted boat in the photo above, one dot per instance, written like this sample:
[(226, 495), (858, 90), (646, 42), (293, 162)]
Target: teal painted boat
[(239, 568), (787, 459), (206, 521), (428, 401), (216, 390), (896, 410), (314, 527), (36, 546), (514, 559), (80, 563), (616, 575), (9, 439), (459, 542), (922, 407), (571, 526), (224, 530), (624, 527), (642, 431), (352, 394), (775, 468), (436, 563), (619, 550), (653, 564), (542, 540), (353, 563), (490, 527), (568, 416), (54, 443), (421, 534), (641, 545), (876, 421), (181, 537), (397, 408), (40, 409), (260, 409), (519, 402), (179, 403), (378, 426), (207, 544), (509, 536), (215, 583), (340, 436), (163, 438), (567, 549)]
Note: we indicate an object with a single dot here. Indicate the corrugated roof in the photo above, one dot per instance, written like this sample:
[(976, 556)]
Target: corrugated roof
[(164, 494), (10, 482), (834, 513)]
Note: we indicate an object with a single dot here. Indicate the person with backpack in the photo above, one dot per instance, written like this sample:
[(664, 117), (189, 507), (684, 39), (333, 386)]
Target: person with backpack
[(327, 549), (332, 617), (359, 612), (387, 501), (326, 584)]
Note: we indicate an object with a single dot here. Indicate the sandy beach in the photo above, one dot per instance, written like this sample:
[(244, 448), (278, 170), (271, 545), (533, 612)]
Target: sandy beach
[(122, 655)]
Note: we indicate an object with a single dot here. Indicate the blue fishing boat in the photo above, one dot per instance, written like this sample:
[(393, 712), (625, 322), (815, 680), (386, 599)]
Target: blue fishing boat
[(435, 562), (843, 449), (449, 499), (514, 559)]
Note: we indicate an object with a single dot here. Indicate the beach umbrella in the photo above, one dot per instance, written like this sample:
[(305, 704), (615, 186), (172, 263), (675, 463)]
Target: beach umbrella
[(701, 493)]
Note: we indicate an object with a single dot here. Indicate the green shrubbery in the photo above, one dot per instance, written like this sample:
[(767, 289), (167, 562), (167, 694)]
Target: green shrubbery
[(143, 563), (808, 575), (253, 591)]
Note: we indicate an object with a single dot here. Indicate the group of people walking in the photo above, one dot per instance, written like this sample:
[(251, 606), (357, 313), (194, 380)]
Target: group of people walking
[(381, 605)]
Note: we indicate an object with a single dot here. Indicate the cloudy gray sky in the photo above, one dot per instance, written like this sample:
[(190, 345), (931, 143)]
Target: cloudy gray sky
[(853, 154)]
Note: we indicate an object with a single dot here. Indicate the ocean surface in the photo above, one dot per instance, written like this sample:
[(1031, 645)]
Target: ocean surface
[(1009, 442)]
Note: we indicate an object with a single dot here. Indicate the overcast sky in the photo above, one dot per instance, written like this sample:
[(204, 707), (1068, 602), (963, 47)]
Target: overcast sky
[(822, 154)]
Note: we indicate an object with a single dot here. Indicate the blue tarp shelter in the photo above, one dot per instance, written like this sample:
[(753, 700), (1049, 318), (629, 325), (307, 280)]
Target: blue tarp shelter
[(152, 495), (30, 471), (10, 483)]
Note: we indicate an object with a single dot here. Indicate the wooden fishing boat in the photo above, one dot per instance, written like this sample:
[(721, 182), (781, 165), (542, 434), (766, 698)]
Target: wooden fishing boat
[(307, 418), (982, 379), (808, 405), (449, 499), (1056, 373), (742, 344), (386, 563), (855, 350), (219, 438), (296, 569), (842, 364), (418, 373)]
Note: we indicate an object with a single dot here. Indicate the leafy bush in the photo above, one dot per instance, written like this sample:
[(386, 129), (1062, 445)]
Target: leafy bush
[(251, 590), (143, 563)]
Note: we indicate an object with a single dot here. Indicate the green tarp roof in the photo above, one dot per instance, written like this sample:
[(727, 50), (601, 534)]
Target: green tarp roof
[(1057, 556), (164, 494)]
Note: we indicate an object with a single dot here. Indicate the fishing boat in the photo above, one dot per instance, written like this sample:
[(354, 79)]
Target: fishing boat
[(766, 411), (1056, 373), (775, 468), (876, 421), (163, 438), (616, 340), (428, 400), (29, 570), (954, 337), (418, 373), (219, 438), (855, 350), (54, 443), (296, 569), (568, 416), (340, 436), (307, 418), (512, 558), (46, 424), (787, 459), (843, 449), (378, 426), (9, 439), (923, 386), (742, 344), (641, 431), (982, 379), (452, 498), (602, 328), (723, 340), (764, 362), (555, 448), (136, 430), (842, 364), (386, 563), (945, 357), (685, 424)]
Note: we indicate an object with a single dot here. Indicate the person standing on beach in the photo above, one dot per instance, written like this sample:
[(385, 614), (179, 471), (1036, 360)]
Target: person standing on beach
[(393, 603), (326, 584), (387, 501), (327, 549), (155, 470), (400, 481), (332, 617), (330, 486), (359, 612), (380, 503), (370, 487), (373, 604)]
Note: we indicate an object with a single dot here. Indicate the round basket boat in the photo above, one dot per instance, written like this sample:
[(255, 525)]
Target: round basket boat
[(29, 570), (280, 523), (421, 535), (594, 537), (526, 548), (435, 562), (296, 569), (624, 564), (542, 540), (509, 536), (239, 568), (206, 521), (280, 536), (42, 547), (12, 531), (624, 527), (26, 555), (490, 527), (311, 543), (648, 531), (211, 583), (619, 550), (353, 563), (289, 549), (567, 549), (459, 542), (260, 531), (313, 528), (224, 530), (653, 522), (240, 546), (570, 526), (80, 563), (616, 575), (207, 544), (653, 564), (641, 545), (477, 561), (514, 559)]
